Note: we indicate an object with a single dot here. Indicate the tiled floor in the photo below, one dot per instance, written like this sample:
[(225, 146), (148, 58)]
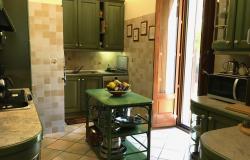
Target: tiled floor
[(166, 144)]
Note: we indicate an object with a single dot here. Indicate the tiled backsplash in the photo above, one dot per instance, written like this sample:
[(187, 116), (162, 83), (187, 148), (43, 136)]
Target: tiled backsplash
[(47, 62), (140, 55), (90, 60)]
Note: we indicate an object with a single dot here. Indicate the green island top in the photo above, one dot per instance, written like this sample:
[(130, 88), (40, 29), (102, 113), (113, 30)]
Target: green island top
[(130, 99)]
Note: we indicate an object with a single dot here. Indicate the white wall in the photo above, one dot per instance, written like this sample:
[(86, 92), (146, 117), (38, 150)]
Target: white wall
[(138, 8)]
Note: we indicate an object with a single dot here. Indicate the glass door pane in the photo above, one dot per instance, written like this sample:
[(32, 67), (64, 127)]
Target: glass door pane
[(193, 40)]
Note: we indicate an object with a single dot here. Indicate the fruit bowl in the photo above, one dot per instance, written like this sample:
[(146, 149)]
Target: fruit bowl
[(118, 93), (117, 88)]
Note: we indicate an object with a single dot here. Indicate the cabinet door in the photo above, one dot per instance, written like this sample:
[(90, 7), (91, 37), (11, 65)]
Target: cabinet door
[(114, 21), (72, 94), (242, 32), (89, 83), (217, 121), (70, 23), (224, 24), (88, 23)]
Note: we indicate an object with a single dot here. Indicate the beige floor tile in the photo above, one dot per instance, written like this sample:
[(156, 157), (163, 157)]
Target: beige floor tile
[(70, 128), (67, 156), (73, 137), (88, 158), (48, 154), (55, 135), (47, 141), (91, 153), (80, 130), (60, 145), (79, 148)]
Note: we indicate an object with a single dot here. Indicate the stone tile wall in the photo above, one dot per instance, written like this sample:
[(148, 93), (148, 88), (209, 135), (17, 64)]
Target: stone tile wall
[(47, 63), (140, 55)]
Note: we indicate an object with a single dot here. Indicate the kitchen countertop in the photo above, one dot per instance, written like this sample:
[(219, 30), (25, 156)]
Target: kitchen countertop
[(19, 126), (218, 106), (94, 73), (227, 143)]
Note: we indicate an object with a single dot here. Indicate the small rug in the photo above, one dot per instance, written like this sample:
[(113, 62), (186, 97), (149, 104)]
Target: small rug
[(75, 120)]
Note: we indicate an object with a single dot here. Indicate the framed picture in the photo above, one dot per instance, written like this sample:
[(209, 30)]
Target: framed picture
[(144, 27), (129, 30), (151, 33), (136, 34)]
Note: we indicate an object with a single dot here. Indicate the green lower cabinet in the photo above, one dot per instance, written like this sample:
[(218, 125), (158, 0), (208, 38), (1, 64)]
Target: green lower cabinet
[(72, 94), (218, 121), (114, 19), (75, 96), (88, 83), (242, 31)]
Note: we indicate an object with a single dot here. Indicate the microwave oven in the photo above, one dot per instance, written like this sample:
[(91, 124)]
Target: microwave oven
[(229, 88)]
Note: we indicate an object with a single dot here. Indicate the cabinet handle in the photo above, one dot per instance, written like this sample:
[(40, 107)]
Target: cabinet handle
[(236, 41), (106, 45), (209, 118), (83, 79), (79, 79), (227, 42), (248, 36), (76, 44), (81, 44)]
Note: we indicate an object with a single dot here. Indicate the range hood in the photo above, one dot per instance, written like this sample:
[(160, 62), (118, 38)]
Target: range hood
[(5, 22)]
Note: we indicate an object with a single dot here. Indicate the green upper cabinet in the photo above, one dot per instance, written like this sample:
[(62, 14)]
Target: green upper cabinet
[(224, 25), (88, 24), (93, 24), (70, 23), (114, 21), (232, 25), (242, 32)]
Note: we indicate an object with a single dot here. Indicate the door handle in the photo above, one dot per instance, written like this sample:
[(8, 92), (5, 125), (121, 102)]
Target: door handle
[(234, 88), (248, 36)]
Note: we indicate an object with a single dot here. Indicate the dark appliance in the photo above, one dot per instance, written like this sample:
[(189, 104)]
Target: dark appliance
[(5, 21), (229, 88)]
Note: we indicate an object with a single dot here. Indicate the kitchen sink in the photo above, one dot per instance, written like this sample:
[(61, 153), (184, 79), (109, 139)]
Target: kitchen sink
[(16, 99)]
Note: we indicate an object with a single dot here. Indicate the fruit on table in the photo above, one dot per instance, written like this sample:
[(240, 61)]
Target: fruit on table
[(116, 85)]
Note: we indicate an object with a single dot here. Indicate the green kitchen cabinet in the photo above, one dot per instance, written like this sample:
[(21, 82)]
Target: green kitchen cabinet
[(114, 22), (88, 24), (242, 32), (88, 82), (70, 23), (218, 121), (224, 26), (232, 25), (72, 94), (81, 24)]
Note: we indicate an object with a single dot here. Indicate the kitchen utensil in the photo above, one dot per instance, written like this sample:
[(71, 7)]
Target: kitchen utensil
[(94, 136), (231, 67), (115, 143), (243, 70), (115, 153)]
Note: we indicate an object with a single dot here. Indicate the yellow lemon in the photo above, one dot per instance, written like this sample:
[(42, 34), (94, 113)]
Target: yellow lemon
[(111, 85)]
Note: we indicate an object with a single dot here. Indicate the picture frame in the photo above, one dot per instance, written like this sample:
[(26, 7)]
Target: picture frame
[(136, 34), (151, 33), (144, 27), (129, 30)]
